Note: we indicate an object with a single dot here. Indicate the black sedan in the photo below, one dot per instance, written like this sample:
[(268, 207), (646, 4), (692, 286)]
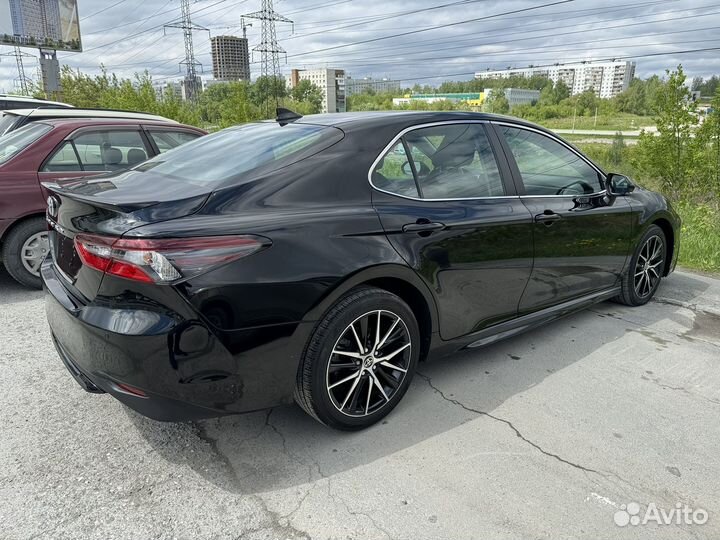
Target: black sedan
[(319, 259)]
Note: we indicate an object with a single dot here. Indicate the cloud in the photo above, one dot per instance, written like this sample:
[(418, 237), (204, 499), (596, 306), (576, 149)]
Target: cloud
[(129, 36)]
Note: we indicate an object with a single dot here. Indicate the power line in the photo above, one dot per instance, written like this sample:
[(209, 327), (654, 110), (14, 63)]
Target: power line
[(504, 33), (86, 17), (524, 31), (608, 59), (385, 17), (447, 25), (554, 34), (559, 34), (433, 59)]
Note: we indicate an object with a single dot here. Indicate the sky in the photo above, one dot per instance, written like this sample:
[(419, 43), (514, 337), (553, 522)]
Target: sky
[(440, 40)]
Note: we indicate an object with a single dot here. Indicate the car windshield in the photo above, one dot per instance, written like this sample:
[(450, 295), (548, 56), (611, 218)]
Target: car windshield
[(7, 121), (15, 142), (214, 159)]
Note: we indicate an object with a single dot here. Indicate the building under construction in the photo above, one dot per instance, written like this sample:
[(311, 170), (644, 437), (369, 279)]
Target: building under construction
[(230, 58)]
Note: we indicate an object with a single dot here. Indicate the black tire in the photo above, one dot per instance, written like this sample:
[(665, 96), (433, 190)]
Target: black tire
[(631, 294), (11, 253), (314, 391)]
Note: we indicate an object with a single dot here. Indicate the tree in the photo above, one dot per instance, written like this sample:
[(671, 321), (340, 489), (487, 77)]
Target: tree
[(308, 92), (708, 143), (669, 157), (266, 91), (617, 149), (586, 103), (552, 94), (228, 104), (496, 102), (706, 87)]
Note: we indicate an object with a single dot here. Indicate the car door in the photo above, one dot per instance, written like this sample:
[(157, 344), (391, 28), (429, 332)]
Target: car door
[(449, 207), (581, 236)]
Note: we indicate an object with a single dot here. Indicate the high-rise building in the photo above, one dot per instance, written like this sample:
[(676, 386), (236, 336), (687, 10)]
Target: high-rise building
[(358, 86), (606, 79), (230, 58), (36, 18), (331, 83)]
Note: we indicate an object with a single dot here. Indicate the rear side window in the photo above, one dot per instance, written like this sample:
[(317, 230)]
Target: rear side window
[(453, 161), (167, 140), (393, 173), (17, 141), (217, 158), (99, 151)]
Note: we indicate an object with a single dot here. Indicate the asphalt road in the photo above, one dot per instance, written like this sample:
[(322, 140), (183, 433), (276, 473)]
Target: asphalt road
[(545, 435)]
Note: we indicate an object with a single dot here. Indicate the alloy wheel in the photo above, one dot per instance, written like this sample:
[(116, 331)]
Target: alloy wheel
[(648, 267), (33, 252), (368, 363)]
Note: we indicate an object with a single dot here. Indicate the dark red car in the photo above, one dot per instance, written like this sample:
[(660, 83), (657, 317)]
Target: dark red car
[(54, 149)]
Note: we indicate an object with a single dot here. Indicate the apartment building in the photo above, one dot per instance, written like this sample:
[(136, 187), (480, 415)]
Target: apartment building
[(606, 79)]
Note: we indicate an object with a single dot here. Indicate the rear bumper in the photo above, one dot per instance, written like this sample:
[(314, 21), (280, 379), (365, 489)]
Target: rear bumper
[(183, 368)]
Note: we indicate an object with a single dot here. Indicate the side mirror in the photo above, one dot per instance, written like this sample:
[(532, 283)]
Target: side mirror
[(618, 184)]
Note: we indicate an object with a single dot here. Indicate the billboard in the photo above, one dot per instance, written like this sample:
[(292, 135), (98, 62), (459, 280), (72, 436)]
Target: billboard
[(50, 24)]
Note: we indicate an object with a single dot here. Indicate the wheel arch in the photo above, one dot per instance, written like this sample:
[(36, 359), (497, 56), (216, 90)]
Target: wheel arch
[(669, 232), (17, 222), (394, 278)]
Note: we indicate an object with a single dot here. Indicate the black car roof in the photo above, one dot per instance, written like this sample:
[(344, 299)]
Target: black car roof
[(366, 119)]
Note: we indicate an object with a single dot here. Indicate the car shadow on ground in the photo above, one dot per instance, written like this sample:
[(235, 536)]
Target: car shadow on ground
[(11, 292), (284, 447)]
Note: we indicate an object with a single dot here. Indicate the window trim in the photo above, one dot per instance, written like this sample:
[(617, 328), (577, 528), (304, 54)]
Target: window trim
[(402, 133), (516, 171)]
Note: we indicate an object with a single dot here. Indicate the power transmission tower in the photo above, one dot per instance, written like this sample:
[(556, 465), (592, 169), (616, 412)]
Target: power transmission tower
[(23, 82), (192, 81), (268, 48)]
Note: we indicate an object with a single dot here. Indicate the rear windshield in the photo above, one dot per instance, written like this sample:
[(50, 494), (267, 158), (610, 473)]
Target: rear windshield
[(216, 158), (17, 141), (7, 121)]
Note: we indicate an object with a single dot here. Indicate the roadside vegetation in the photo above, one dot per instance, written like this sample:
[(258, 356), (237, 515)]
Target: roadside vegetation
[(681, 160)]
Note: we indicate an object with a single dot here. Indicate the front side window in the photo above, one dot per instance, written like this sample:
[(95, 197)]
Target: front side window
[(549, 168), (453, 161), (17, 141)]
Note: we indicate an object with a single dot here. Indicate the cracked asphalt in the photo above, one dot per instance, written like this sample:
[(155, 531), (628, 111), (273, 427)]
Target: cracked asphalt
[(545, 435)]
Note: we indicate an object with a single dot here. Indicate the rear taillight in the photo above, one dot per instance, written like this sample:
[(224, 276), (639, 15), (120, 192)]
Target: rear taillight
[(163, 260)]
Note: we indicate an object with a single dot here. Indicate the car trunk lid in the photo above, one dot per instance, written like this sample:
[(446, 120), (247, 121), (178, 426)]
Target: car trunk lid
[(110, 206)]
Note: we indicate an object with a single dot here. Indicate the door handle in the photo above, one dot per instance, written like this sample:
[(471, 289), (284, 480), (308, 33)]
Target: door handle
[(547, 217), (423, 227)]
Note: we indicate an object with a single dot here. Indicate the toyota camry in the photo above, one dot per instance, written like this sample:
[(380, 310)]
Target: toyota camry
[(319, 259)]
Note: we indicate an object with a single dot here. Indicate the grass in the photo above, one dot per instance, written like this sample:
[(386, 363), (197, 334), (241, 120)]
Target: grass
[(700, 237), (605, 122)]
